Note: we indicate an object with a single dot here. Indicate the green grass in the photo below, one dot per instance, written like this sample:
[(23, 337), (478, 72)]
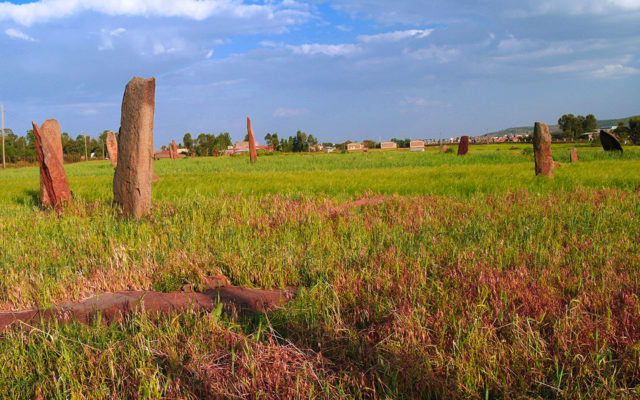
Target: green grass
[(473, 279)]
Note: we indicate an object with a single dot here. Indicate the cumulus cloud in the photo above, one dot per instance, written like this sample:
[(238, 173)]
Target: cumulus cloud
[(16, 34), (45, 10)]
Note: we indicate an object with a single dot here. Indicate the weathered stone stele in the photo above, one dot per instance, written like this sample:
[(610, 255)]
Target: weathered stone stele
[(609, 142), (574, 155), (54, 186), (542, 149), (252, 142), (463, 147), (444, 149), (134, 173), (174, 150), (112, 148)]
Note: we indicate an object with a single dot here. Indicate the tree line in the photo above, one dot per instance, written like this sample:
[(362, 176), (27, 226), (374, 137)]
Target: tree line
[(574, 126), (22, 146)]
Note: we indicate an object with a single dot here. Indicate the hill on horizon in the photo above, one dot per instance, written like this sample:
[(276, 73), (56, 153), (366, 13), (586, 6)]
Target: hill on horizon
[(520, 130)]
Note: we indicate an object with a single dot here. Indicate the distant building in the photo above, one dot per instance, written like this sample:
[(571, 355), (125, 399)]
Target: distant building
[(355, 146), (417, 145), (388, 145)]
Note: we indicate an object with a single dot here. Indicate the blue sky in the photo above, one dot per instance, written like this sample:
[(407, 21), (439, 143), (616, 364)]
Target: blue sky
[(349, 69)]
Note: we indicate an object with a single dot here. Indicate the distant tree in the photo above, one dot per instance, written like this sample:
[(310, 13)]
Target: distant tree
[(327, 144), (573, 126), (187, 140), (634, 129), (370, 144)]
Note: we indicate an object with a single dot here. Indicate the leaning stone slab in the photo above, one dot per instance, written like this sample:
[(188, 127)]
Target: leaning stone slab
[(134, 173), (542, 150), (252, 142), (609, 142), (54, 186), (112, 307), (112, 148), (463, 147)]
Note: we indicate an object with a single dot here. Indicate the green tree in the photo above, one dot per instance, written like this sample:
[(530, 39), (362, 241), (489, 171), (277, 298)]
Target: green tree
[(187, 140), (634, 129)]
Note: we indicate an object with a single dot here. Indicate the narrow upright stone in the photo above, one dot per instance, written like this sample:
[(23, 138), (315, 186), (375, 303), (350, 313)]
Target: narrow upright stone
[(174, 150), (54, 186), (574, 155), (463, 147), (134, 173), (252, 142), (112, 148), (542, 149)]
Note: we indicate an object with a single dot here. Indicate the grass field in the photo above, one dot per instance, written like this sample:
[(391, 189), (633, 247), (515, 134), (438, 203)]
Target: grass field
[(472, 279)]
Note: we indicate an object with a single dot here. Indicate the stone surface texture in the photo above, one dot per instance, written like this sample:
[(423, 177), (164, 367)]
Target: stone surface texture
[(444, 149), (609, 142), (113, 307), (252, 142), (134, 172), (112, 148), (54, 186), (542, 149), (574, 155), (463, 147)]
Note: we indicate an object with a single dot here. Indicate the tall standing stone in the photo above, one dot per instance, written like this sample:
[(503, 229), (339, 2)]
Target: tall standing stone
[(252, 142), (174, 150), (54, 186), (463, 147), (112, 148), (542, 149), (574, 155), (134, 173)]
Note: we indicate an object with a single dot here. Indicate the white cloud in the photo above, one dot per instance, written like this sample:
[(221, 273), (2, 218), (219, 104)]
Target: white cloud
[(44, 10), (282, 112), (435, 53), (396, 36), (106, 42), (331, 50), (16, 34), (575, 7), (614, 71)]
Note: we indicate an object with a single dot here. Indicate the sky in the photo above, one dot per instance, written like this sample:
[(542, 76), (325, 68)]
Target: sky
[(337, 69)]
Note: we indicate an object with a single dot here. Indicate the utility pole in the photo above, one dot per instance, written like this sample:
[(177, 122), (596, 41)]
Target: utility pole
[(2, 110)]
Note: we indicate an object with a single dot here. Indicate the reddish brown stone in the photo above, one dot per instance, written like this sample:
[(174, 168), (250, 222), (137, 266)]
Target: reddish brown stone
[(463, 147), (542, 150), (54, 186), (113, 306), (112, 148), (252, 142), (156, 178), (574, 155), (134, 173), (174, 150), (444, 149)]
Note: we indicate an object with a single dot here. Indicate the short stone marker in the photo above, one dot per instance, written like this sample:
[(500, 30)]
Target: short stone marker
[(112, 148), (542, 149), (134, 173), (574, 155), (463, 147), (252, 142), (54, 186), (174, 150), (444, 149), (609, 142)]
